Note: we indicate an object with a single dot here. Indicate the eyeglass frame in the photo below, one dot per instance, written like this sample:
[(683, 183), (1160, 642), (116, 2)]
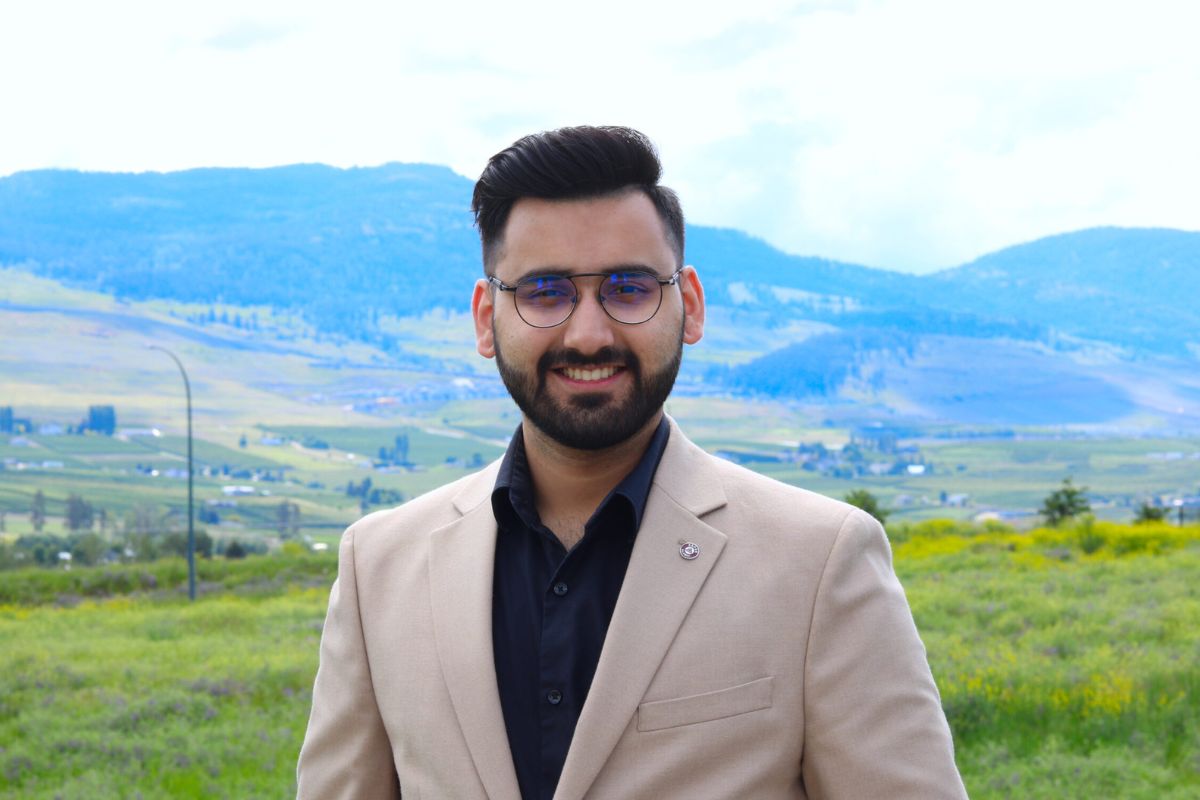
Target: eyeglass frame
[(504, 287)]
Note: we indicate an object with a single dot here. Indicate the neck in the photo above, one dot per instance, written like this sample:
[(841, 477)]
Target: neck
[(569, 484)]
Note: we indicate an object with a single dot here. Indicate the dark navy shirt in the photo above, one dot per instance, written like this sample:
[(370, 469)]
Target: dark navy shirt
[(551, 607)]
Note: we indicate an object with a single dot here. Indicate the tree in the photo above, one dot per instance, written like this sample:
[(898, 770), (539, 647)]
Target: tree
[(87, 549), (287, 518), (175, 543), (1064, 503), (141, 521), (1148, 513), (863, 499), (79, 513), (235, 550), (37, 511)]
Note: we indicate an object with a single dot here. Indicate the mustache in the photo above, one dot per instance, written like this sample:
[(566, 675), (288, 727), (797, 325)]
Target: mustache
[(574, 358)]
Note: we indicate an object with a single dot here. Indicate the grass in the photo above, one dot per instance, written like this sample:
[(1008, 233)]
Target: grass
[(1065, 657), (34, 586), (139, 697)]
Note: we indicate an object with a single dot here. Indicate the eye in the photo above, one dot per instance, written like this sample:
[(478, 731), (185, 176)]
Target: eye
[(546, 290), (629, 288)]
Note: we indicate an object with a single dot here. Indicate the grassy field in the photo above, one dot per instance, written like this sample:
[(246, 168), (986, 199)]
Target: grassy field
[(1066, 660), (145, 695)]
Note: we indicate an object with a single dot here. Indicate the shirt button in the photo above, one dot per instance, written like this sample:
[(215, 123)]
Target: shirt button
[(554, 696), (560, 588)]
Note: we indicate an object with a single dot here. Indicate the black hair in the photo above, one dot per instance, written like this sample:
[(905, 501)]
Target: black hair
[(572, 164)]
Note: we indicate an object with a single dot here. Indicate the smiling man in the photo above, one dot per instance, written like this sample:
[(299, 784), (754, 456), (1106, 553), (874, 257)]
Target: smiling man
[(608, 611)]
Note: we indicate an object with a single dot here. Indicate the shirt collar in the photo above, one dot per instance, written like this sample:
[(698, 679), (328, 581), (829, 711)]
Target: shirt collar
[(512, 497)]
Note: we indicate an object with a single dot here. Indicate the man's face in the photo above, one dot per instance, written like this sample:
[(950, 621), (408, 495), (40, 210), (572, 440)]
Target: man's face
[(590, 382)]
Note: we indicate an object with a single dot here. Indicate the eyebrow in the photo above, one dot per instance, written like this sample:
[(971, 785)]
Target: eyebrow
[(560, 272)]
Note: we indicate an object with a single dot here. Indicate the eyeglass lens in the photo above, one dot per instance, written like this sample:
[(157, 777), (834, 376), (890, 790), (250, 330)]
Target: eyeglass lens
[(628, 297)]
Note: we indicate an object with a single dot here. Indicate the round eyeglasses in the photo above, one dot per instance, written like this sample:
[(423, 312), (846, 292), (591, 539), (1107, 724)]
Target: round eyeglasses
[(630, 298)]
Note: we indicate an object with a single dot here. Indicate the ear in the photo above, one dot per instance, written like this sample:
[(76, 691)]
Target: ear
[(693, 305), (483, 308)]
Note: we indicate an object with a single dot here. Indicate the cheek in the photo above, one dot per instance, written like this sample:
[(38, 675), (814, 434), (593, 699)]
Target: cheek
[(664, 339), (519, 345)]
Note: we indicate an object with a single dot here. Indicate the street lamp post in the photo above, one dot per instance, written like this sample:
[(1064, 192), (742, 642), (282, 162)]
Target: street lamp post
[(191, 540)]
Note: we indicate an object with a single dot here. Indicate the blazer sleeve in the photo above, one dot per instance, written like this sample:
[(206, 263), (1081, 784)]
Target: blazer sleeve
[(874, 725), (346, 752)]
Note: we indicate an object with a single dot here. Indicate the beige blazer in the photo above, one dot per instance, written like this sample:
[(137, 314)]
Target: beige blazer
[(781, 662)]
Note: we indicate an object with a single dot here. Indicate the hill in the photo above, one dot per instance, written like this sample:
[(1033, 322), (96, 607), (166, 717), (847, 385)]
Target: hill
[(1133, 287), (360, 255)]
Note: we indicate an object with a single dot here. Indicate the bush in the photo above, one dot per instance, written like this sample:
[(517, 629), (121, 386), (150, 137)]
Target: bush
[(1064, 503), (1147, 513), (861, 498)]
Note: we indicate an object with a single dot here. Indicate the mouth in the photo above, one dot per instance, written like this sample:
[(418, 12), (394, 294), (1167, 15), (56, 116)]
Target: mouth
[(591, 375)]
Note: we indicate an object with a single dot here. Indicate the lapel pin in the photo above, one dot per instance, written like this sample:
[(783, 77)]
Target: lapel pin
[(689, 550)]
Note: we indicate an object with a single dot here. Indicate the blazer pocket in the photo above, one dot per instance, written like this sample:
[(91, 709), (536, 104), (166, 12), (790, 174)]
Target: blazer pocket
[(731, 702)]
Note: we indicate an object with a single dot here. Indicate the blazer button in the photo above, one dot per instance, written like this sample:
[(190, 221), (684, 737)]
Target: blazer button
[(560, 588), (554, 696)]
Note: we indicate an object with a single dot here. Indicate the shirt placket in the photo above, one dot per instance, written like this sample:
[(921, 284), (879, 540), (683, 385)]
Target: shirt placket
[(558, 708)]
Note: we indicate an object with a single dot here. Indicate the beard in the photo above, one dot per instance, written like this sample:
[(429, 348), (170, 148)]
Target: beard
[(596, 420)]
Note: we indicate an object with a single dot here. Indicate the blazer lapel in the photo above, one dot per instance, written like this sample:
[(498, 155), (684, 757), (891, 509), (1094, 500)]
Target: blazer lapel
[(660, 586), (460, 583)]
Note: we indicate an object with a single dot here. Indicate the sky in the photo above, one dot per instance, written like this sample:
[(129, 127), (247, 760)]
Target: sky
[(911, 135)]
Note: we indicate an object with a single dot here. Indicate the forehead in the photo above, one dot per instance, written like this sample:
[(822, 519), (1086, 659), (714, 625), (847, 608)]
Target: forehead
[(588, 235)]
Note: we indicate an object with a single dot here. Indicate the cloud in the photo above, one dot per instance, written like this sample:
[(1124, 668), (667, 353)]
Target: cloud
[(246, 34), (912, 134)]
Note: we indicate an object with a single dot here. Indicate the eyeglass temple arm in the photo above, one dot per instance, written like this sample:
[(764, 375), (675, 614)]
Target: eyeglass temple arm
[(499, 284)]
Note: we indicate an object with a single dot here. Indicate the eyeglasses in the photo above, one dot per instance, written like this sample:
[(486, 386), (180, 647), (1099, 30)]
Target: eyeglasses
[(630, 298)]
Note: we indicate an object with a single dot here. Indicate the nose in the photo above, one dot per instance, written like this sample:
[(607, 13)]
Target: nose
[(589, 328)]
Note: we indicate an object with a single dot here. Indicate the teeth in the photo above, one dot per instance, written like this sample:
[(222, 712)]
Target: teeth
[(598, 374)]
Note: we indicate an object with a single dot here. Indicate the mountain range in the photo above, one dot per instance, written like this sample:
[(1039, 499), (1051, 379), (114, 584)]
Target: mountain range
[(1099, 326)]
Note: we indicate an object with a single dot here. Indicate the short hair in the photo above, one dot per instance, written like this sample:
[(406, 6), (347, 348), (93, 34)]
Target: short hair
[(573, 163)]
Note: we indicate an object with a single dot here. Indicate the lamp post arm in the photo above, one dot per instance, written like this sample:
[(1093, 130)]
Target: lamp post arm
[(191, 540)]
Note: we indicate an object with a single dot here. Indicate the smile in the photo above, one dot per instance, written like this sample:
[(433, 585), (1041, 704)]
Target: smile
[(589, 375)]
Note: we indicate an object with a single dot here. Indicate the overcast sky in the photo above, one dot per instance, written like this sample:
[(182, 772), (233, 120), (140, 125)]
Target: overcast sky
[(908, 134)]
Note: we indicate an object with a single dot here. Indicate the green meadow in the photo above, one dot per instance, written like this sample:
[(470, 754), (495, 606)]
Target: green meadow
[(1066, 659)]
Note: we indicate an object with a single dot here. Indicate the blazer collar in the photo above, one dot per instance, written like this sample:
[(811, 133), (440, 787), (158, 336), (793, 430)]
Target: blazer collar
[(686, 474), (461, 558)]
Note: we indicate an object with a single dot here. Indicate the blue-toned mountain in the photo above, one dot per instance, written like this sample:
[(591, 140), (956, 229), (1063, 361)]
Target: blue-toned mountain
[(1132, 286), (344, 245), (352, 251), (333, 243)]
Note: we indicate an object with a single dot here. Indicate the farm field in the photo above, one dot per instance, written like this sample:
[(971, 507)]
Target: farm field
[(1066, 660), (314, 466)]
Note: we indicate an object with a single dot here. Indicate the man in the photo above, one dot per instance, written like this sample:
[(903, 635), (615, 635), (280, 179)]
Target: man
[(609, 611)]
